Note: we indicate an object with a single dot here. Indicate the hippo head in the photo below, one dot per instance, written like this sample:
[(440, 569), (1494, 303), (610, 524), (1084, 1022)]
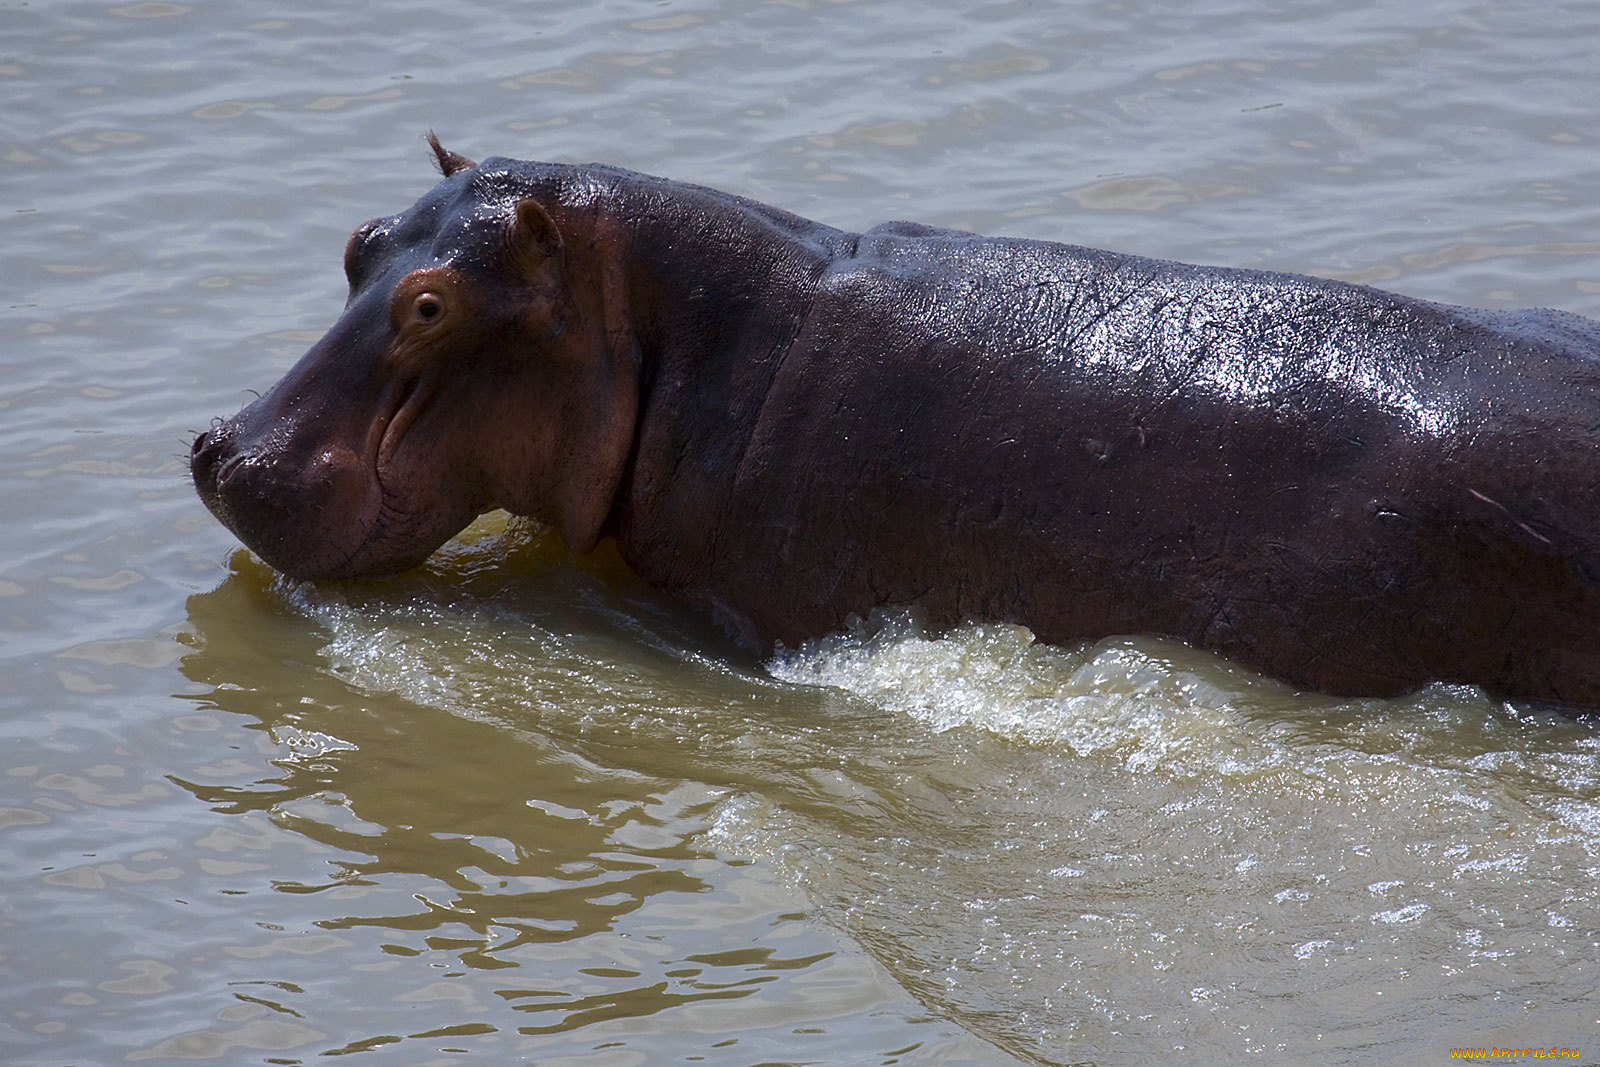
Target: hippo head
[(467, 372)]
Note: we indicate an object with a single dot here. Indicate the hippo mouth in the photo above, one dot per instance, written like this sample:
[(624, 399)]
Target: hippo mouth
[(406, 529), (404, 404)]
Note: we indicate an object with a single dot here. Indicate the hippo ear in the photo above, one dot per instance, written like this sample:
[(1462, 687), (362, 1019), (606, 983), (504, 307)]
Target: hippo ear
[(534, 234), (449, 162)]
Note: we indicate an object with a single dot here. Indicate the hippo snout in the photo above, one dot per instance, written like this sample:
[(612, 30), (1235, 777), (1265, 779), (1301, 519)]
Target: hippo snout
[(306, 514), (241, 488), (210, 457), (231, 478)]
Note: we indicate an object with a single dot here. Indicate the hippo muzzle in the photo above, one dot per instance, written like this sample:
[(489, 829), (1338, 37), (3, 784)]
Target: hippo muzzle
[(304, 489)]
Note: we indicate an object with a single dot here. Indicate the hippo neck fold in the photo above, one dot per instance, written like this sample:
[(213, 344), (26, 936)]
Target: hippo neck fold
[(708, 291)]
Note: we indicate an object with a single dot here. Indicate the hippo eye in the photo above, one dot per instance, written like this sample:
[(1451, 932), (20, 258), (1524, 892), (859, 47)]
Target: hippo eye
[(428, 306), (426, 302)]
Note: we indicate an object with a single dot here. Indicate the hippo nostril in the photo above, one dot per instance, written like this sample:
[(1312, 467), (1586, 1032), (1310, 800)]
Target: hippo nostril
[(227, 469), (198, 443)]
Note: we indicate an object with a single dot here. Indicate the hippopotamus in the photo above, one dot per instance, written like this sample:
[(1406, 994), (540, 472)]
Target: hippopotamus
[(787, 426)]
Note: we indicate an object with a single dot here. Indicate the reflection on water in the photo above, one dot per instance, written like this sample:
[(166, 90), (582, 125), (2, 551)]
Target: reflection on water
[(498, 760), (528, 776)]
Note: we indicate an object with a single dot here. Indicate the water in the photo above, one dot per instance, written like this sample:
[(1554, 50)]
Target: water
[(517, 808)]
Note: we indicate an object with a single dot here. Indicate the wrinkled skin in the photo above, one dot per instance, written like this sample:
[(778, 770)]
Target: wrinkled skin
[(785, 425)]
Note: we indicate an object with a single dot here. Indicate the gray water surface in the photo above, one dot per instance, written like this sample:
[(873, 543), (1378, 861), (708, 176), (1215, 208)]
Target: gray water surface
[(514, 807)]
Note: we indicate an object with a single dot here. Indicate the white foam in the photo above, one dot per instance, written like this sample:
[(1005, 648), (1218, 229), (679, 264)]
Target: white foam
[(1126, 699), (1407, 914)]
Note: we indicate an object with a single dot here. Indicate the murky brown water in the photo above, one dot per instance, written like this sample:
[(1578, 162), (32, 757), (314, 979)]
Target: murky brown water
[(516, 808)]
